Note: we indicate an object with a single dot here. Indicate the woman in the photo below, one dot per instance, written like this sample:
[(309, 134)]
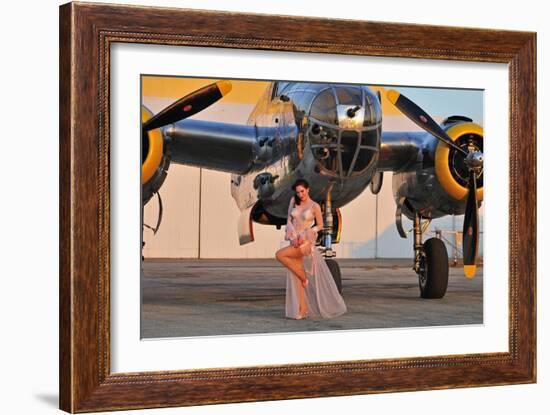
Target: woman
[(310, 288)]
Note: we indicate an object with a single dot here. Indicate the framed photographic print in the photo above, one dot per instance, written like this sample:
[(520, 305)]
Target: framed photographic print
[(254, 214)]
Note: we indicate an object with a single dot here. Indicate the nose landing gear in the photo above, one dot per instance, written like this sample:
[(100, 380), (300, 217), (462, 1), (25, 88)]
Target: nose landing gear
[(328, 253)]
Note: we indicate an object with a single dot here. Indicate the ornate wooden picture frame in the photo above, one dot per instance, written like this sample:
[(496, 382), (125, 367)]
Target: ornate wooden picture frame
[(87, 31)]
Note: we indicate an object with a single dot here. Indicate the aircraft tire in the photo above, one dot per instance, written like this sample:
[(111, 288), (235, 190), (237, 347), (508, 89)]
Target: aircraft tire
[(434, 277), (336, 274)]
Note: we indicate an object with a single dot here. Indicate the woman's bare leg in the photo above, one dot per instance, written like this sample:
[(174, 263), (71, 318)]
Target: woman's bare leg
[(292, 258)]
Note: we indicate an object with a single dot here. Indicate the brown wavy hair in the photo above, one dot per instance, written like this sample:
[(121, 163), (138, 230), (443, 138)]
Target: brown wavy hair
[(299, 182)]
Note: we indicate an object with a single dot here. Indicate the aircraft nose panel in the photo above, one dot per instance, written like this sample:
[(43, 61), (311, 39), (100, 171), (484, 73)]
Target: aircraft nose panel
[(344, 128)]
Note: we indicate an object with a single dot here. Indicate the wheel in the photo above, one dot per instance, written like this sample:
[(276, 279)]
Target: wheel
[(335, 271), (433, 277)]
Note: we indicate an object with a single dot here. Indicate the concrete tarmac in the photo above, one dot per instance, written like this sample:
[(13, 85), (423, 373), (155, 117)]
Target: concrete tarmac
[(208, 297)]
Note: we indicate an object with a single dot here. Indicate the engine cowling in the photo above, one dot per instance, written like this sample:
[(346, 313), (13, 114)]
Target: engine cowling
[(449, 166), (155, 158), (436, 183)]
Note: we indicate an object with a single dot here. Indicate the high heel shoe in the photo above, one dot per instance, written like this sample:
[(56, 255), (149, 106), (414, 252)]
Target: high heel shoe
[(302, 316)]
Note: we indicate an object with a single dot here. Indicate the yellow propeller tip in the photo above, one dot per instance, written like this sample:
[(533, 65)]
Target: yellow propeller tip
[(470, 271), (224, 87), (393, 96)]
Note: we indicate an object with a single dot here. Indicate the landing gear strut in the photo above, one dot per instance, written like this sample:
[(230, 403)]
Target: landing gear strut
[(431, 263), (328, 253)]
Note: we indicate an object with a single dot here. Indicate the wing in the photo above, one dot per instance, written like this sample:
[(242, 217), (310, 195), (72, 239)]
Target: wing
[(399, 151), (219, 146)]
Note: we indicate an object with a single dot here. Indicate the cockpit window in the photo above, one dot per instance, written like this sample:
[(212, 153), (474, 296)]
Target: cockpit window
[(324, 107), (280, 86), (349, 96)]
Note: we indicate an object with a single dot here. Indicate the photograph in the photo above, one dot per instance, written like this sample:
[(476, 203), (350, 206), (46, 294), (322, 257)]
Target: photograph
[(344, 206)]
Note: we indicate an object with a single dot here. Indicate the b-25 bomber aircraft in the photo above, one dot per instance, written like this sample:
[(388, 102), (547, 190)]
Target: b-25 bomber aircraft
[(331, 135)]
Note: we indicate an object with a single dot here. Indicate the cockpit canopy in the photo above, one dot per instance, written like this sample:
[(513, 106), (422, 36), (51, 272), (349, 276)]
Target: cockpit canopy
[(343, 124)]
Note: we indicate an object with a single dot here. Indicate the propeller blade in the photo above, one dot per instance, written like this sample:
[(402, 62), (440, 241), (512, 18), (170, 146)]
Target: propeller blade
[(470, 234), (421, 118), (189, 105)]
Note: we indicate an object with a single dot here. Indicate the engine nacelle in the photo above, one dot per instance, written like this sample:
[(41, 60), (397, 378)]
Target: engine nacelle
[(437, 183), (449, 166), (155, 159)]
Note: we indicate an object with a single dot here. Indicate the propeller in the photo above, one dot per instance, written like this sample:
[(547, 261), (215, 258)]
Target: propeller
[(421, 118), (188, 105), (470, 231), (473, 160)]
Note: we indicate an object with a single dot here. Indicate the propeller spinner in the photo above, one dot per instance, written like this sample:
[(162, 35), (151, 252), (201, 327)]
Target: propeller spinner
[(472, 159)]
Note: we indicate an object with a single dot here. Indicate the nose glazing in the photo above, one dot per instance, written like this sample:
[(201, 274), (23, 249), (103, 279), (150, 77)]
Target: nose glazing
[(344, 130)]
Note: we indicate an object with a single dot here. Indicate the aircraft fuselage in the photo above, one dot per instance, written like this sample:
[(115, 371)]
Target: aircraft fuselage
[(310, 121)]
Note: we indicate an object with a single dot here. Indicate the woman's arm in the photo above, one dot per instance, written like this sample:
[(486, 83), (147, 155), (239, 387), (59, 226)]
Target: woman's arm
[(318, 218), (290, 232)]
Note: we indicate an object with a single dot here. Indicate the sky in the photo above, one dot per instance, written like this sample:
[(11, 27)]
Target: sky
[(443, 102)]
